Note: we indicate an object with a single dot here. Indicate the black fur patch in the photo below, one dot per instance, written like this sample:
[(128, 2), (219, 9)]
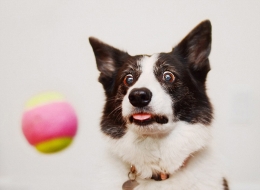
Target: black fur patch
[(188, 61), (191, 103), (225, 184)]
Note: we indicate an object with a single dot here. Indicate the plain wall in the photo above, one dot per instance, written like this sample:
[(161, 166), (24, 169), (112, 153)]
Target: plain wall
[(44, 47)]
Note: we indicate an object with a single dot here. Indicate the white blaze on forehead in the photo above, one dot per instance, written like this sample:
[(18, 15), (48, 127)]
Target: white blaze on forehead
[(147, 68), (161, 102)]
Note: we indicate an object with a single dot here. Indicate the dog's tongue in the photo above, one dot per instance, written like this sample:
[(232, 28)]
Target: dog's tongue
[(142, 116)]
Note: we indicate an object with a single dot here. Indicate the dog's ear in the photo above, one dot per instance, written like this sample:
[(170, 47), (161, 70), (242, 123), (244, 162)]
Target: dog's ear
[(195, 48), (108, 59)]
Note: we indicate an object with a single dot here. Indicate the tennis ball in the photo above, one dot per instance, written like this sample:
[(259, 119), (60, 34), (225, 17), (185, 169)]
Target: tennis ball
[(49, 123)]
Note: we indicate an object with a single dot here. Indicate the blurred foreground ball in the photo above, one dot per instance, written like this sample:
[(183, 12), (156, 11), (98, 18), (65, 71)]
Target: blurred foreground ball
[(49, 123)]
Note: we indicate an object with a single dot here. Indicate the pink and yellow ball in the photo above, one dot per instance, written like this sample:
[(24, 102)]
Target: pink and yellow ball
[(49, 123)]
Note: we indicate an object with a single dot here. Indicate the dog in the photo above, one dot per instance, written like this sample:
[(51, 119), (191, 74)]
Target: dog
[(157, 115)]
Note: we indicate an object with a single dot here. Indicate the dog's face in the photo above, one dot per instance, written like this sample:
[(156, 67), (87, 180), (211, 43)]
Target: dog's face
[(151, 94)]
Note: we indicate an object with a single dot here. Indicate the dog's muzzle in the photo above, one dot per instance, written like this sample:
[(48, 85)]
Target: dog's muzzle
[(140, 98)]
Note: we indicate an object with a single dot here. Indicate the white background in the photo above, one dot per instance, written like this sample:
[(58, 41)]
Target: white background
[(44, 46)]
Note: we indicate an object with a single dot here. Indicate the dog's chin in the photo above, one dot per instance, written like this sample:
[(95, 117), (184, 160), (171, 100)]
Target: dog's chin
[(147, 124)]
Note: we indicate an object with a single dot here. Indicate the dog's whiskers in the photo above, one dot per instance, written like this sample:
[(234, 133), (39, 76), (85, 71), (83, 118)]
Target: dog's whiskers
[(116, 111)]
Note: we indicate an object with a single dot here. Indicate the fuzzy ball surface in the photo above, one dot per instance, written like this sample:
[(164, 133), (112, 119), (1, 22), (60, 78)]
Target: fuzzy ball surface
[(49, 122)]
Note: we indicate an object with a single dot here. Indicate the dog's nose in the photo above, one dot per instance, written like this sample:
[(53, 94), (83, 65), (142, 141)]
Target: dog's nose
[(140, 97)]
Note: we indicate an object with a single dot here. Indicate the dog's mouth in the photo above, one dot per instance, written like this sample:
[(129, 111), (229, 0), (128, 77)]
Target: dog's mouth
[(143, 119)]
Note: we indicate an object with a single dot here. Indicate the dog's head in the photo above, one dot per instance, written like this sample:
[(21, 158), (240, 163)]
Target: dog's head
[(150, 94)]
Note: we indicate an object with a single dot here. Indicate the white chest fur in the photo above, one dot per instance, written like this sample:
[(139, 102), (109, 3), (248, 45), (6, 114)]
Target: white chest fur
[(167, 154)]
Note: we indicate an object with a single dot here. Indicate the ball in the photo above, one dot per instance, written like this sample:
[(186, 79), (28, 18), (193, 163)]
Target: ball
[(49, 122)]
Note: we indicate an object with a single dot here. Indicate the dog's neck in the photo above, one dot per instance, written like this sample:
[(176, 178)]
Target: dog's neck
[(157, 176), (161, 155)]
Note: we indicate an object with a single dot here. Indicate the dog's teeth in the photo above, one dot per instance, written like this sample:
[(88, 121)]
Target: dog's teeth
[(142, 116)]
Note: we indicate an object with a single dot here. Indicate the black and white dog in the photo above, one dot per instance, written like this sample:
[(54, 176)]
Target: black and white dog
[(157, 115)]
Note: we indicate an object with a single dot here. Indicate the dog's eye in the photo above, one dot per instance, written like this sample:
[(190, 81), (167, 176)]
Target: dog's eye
[(168, 76), (128, 80)]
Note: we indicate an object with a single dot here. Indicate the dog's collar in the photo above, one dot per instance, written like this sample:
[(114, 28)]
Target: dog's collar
[(157, 176), (160, 177), (132, 183)]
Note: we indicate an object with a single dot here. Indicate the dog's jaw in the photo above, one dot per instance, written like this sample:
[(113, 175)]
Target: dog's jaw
[(160, 105)]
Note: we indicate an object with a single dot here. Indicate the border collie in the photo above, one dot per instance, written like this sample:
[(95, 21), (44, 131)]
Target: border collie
[(157, 115)]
